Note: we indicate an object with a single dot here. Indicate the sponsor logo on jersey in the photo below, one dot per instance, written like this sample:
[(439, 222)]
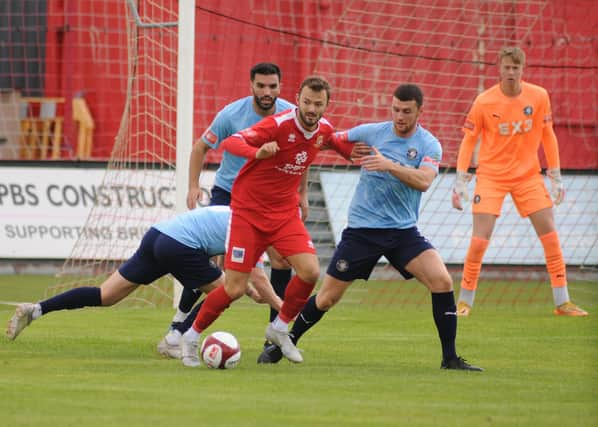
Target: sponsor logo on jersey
[(411, 153), (301, 157), (210, 136), (292, 137), (528, 110), (513, 128), (238, 254)]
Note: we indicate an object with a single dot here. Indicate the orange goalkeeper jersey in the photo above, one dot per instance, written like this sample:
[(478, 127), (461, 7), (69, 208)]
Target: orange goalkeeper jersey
[(511, 130)]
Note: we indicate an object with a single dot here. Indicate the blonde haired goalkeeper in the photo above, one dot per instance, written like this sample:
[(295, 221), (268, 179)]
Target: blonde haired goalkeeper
[(512, 118)]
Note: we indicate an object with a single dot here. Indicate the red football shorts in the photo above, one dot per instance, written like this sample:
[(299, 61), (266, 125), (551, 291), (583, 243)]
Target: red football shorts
[(529, 195), (248, 239)]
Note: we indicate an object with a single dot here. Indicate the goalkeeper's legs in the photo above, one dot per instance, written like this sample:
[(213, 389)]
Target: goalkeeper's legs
[(543, 222), (483, 224)]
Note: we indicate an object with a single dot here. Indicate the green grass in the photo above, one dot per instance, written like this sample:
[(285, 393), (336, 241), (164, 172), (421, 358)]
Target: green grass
[(366, 364)]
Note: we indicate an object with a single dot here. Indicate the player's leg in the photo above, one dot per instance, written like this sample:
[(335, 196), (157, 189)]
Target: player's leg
[(245, 246), (354, 258), (194, 270), (280, 275), (114, 289), (188, 299), (543, 222), (483, 225), (214, 304), (430, 270), (141, 268), (487, 204), (307, 268), (533, 200)]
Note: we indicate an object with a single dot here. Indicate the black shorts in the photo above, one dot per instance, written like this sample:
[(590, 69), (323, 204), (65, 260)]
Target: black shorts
[(360, 249), (219, 197), (159, 254)]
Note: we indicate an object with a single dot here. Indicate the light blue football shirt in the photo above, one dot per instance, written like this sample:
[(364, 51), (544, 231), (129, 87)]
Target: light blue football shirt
[(200, 228), (380, 199), (234, 117)]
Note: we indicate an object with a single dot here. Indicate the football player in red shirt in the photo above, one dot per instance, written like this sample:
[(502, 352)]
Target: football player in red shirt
[(280, 148)]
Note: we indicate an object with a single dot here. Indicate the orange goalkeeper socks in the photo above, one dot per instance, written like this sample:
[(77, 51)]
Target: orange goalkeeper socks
[(555, 263), (473, 263)]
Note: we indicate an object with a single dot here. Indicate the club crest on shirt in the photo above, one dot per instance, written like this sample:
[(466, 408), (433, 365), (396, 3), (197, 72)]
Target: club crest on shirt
[(292, 137), (411, 153), (342, 265), (238, 254), (319, 141), (528, 110)]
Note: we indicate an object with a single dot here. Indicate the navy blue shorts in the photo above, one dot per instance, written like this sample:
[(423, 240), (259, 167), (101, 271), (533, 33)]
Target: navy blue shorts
[(360, 249), (220, 197), (159, 254)]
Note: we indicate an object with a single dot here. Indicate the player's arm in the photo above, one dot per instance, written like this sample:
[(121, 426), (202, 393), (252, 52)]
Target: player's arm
[(340, 143), (420, 179), (256, 142), (238, 146), (551, 151), (471, 130), (262, 291), (303, 195), (198, 153)]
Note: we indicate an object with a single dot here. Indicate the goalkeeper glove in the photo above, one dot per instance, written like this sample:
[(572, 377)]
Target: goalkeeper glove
[(557, 191), (460, 190)]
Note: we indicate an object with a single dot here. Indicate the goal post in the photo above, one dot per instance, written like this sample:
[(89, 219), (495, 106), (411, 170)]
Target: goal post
[(184, 110)]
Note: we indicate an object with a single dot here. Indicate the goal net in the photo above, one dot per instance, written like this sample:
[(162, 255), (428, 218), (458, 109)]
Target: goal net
[(365, 49)]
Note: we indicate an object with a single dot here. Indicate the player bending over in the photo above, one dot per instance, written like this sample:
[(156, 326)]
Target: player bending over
[(181, 246)]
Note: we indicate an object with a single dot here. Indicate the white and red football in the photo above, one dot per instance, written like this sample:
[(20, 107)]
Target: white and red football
[(220, 350)]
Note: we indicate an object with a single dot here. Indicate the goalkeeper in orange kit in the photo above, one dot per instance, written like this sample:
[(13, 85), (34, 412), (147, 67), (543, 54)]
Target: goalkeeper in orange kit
[(512, 118)]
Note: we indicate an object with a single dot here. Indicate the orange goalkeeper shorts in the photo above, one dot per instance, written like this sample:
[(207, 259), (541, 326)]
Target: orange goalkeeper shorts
[(529, 195)]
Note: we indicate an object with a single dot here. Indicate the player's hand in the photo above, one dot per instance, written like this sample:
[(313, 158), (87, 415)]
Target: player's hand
[(304, 207), (557, 190), (360, 149), (460, 193), (376, 161), (252, 293), (193, 196), (267, 150)]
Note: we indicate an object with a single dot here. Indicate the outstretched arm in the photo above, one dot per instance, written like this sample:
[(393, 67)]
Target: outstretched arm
[(419, 179), (237, 145)]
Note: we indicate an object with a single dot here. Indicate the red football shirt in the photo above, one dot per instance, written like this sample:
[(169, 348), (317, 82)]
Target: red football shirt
[(267, 190)]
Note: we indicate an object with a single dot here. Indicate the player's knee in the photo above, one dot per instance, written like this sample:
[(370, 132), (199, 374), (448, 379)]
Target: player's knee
[(235, 290), (326, 301), (442, 283), (310, 275), (108, 299)]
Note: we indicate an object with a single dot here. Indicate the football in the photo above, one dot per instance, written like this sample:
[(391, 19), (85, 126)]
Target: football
[(220, 350)]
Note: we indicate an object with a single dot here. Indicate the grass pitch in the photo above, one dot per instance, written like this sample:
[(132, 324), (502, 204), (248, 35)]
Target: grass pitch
[(367, 363)]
